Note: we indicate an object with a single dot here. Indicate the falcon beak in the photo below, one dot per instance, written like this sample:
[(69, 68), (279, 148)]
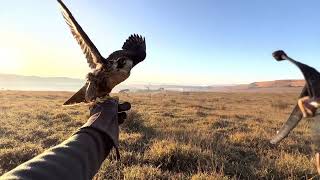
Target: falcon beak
[(128, 65)]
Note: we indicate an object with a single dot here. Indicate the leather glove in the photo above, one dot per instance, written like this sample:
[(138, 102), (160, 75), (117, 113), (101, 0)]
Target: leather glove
[(106, 116)]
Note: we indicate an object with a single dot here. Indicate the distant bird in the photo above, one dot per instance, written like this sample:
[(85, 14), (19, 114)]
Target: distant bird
[(309, 97), (107, 72)]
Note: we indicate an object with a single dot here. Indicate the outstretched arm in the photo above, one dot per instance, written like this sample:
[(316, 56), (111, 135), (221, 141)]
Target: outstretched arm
[(80, 156)]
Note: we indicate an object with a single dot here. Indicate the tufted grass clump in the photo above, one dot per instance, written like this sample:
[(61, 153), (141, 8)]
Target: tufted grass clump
[(170, 155), (143, 172)]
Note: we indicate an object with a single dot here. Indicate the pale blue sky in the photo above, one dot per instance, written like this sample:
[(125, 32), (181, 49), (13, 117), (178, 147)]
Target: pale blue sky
[(200, 42)]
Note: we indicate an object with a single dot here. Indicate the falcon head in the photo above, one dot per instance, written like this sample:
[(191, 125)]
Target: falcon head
[(116, 68), (119, 63), (133, 52)]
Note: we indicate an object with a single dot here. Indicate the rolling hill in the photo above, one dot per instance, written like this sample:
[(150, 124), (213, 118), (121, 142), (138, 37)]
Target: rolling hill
[(36, 83)]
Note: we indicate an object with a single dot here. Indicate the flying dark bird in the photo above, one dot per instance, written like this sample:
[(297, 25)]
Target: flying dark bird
[(106, 72), (311, 90)]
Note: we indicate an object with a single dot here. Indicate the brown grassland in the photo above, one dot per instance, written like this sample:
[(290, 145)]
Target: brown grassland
[(169, 135)]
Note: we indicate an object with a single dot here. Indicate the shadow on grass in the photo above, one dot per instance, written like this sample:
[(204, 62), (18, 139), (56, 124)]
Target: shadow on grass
[(134, 125)]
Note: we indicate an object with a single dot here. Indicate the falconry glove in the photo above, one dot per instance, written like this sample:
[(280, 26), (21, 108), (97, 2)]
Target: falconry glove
[(106, 116)]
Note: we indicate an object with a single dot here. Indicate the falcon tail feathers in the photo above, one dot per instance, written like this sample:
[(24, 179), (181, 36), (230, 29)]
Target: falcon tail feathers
[(78, 97)]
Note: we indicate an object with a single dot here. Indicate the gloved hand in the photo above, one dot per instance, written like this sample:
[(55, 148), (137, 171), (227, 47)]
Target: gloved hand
[(106, 117)]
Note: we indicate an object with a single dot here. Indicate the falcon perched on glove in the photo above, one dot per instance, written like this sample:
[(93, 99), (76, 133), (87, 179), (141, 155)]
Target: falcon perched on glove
[(106, 72)]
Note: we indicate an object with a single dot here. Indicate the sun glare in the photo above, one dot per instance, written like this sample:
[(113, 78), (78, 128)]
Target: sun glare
[(9, 61)]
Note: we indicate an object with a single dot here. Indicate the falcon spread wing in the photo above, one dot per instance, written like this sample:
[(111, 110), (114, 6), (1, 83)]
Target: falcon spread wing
[(134, 48), (137, 45), (312, 89), (135, 42), (312, 77), (91, 52)]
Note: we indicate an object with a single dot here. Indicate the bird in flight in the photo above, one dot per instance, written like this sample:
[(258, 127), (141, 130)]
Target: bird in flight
[(106, 72), (309, 100)]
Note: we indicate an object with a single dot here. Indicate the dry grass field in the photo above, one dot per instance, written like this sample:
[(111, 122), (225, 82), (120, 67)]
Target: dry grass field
[(169, 135)]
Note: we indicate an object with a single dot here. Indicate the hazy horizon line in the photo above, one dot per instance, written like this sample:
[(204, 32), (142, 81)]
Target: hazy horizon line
[(149, 83)]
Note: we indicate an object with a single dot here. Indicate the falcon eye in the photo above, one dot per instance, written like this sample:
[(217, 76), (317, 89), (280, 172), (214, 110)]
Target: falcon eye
[(121, 62)]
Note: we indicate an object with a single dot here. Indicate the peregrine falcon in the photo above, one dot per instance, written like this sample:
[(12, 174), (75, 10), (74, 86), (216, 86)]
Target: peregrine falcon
[(311, 91), (106, 72)]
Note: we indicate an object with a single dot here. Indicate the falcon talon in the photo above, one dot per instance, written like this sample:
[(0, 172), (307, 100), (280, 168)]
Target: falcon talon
[(102, 99), (106, 72)]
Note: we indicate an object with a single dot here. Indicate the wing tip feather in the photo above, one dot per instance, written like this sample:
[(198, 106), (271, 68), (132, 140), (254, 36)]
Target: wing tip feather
[(135, 42)]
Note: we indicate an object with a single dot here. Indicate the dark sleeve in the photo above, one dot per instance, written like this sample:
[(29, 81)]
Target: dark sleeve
[(79, 157)]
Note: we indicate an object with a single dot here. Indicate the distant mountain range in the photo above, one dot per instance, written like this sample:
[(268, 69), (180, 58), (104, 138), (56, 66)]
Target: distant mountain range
[(266, 86), (278, 83), (18, 82)]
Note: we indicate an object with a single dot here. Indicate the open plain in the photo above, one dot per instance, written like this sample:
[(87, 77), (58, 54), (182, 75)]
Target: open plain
[(169, 135)]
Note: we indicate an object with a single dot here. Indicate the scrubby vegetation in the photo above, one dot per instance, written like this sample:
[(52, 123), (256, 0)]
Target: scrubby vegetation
[(169, 135)]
